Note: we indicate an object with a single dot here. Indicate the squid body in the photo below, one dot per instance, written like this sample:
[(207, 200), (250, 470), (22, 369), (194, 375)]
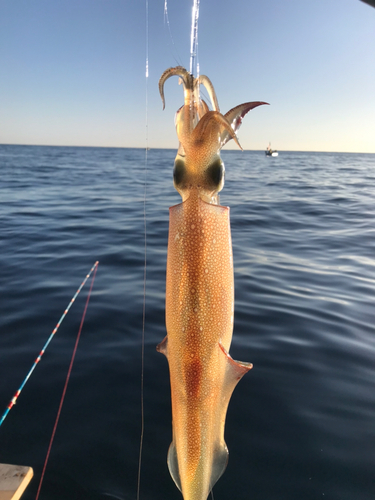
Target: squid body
[(200, 291)]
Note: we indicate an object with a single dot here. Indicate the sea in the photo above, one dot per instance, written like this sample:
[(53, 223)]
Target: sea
[(300, 424)]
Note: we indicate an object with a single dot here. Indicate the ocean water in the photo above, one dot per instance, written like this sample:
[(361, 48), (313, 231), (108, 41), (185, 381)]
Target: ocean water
[(300, 425)]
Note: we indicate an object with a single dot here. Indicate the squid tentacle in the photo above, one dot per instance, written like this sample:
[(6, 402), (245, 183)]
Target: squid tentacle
[(187, 79), (206, 82), (235, 117), (208, 118)]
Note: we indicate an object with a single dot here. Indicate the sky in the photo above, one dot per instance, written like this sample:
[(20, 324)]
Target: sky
[(72, 72)]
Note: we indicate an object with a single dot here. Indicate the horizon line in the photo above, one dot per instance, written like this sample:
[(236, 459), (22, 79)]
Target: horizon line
[(176, 148)]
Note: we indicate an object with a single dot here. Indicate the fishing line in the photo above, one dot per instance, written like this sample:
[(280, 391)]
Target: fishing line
[(15, 397), (194, 63), (95, 267), (166, 20), (144, 273)]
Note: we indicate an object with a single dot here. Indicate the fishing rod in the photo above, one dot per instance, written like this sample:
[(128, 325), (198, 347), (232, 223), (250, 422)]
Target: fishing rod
[(15, 397)]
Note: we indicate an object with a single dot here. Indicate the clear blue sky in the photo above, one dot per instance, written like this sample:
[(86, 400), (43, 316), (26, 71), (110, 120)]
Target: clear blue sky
[(72, 72)]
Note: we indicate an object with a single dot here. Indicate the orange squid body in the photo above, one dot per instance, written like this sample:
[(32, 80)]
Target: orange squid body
[(199, 320), (200, 290)]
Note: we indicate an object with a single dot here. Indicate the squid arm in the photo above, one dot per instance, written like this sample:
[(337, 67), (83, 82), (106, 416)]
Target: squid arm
[(200, 292), (235, 117)]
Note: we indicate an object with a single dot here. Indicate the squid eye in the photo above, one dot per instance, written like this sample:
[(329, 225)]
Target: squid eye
[(179, 172), (215, 174)]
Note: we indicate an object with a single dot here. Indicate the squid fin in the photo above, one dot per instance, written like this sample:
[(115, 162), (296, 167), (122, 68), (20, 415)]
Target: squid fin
[(219, 464), (173, 465), (163, 346), (234, 371)]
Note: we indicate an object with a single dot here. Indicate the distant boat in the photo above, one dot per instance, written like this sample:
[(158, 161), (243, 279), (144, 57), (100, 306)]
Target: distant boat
[(271, 152)]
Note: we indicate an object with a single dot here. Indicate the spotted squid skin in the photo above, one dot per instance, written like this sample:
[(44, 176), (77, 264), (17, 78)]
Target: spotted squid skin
[(199, 319), (200, 291)]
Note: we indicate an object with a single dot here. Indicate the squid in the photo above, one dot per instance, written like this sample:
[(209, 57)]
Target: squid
[(200, 290)]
